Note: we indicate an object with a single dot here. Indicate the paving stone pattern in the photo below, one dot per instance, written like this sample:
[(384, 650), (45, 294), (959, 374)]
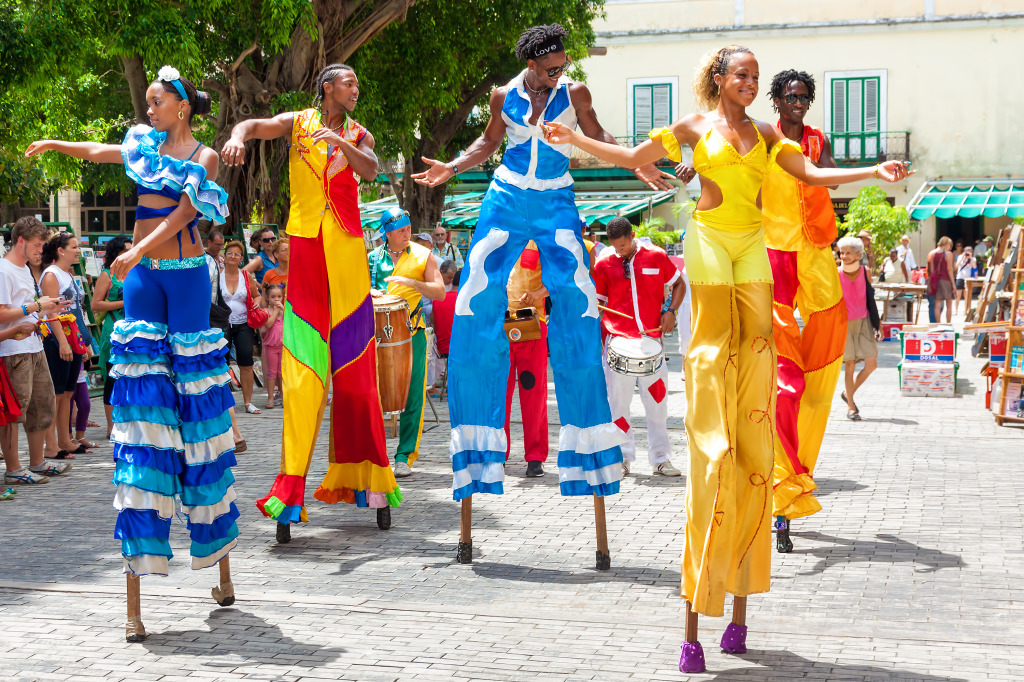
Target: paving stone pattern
[(913, 570)]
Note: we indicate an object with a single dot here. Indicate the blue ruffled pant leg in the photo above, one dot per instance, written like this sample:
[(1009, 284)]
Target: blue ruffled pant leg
[(172, 431)]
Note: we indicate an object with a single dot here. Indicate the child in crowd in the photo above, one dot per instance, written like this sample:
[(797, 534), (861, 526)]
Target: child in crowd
[(272, 333)]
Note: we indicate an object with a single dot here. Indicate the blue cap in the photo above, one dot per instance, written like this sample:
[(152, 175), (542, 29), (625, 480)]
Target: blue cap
[(391, 220)]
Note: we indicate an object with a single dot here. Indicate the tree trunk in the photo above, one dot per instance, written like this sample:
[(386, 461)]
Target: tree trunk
[(135, 76), (255, 189)]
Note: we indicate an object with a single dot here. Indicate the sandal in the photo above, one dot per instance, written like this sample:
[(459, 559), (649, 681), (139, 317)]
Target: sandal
[(252, 409), (843, 396), (63, 454), (81, 450), (92, 425), (270, 405), (87, 443), (853, 415), (8, 494)]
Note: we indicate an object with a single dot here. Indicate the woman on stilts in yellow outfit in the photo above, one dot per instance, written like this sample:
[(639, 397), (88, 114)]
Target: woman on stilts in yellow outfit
[(730, 366)]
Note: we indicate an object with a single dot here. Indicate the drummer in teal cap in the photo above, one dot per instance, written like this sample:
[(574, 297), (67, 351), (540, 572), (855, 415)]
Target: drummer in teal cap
[(404, 268)]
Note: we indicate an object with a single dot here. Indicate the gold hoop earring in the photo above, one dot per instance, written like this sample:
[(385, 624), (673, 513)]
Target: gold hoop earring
[(181, 115)]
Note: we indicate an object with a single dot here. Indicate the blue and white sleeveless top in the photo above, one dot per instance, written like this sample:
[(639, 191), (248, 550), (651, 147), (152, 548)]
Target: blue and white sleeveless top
[(530, 162)]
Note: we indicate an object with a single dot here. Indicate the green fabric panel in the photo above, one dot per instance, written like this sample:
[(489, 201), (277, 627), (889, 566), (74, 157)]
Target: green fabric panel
[(305, 343)]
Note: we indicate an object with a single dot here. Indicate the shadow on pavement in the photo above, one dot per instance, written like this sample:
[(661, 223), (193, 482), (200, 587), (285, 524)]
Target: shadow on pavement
[(582, 575), (785, 665), (829, 486), (259, 642), (887, 549)]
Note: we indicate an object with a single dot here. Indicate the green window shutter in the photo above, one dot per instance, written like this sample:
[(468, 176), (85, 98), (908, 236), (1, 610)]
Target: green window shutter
[(855, 115), (652, 108)]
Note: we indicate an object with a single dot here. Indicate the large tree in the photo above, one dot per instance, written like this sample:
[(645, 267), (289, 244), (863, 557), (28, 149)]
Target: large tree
[(425, 83), (85, 66)]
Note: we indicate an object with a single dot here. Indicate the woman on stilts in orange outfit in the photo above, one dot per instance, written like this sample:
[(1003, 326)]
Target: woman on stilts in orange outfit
[(730, 366)]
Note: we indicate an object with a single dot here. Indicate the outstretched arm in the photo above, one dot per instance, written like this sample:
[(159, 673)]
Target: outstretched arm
[(802, 168), (482, 149), (582, 102), (87, 151), (233, 151), (641, 155)]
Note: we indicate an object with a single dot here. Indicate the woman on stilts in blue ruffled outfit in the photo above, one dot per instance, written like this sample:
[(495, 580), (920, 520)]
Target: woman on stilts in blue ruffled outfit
[(172, 421)]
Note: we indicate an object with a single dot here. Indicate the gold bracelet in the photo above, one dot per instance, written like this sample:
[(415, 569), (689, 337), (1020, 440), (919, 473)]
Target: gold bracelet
[(876, 171)]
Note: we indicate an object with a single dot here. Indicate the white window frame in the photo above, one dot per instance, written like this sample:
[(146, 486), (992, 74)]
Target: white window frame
[(663, 80), (883, 94)]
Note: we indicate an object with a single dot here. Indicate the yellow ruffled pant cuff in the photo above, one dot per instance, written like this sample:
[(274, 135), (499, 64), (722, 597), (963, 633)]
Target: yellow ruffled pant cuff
[(794, 498)]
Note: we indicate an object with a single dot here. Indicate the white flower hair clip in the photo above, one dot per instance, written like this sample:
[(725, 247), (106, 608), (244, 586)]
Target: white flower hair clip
[(168, 73)]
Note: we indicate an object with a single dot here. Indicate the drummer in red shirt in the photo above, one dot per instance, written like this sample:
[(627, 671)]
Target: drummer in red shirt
[(631, 277)]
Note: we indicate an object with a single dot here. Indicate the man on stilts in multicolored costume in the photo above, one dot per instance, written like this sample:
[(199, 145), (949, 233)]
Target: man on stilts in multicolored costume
[(799, 227), (531, 197), (328, 324)]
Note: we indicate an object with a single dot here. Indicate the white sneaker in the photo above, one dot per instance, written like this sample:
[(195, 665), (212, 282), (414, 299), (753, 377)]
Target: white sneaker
[(23, 476), (51, 467), (666, 469), (402, 469), (625, 468)]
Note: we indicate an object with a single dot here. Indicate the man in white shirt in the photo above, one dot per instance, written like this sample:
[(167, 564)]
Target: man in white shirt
[(214, 261), (906, 253), (22, 352), (446, 250)]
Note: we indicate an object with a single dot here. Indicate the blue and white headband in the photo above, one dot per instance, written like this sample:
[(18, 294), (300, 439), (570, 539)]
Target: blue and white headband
[(169, 74)]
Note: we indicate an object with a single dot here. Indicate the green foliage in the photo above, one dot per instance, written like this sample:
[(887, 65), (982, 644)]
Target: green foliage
[(654, 228), (684, 209), (871, 211), (446, 55)]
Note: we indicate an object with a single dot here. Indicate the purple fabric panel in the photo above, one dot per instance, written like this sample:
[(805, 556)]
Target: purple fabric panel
[(350, 336)]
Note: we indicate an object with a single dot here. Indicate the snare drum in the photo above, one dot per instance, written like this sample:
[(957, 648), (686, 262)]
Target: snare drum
[(635, 357), (394, 351), (525, 326)]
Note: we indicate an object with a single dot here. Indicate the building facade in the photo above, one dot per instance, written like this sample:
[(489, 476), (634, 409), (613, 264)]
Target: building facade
[(932, 81)]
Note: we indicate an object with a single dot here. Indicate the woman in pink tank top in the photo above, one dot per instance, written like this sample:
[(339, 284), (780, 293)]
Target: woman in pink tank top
[(862, 331)]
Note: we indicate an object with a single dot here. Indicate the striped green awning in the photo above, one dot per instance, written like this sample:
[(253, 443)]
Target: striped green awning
[(969, 198), (462, 210)]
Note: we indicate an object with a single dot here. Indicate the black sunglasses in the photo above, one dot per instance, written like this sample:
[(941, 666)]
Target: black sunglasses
[(625, 269), (268, 239), (804, 99), (559, 70)]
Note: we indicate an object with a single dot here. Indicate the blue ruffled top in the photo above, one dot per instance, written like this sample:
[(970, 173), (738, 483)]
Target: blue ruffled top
[(146, 166)]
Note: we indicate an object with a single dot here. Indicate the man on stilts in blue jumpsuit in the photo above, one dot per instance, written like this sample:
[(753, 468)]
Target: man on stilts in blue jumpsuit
[(530, 197)]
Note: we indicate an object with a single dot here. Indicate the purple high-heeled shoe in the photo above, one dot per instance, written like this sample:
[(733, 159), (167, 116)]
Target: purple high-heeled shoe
[(691, 658), (734, 639)]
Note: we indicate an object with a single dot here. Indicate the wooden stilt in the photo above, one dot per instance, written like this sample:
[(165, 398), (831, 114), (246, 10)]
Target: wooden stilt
[(134, 630), (690, 634), (604, 558), (464, 555), (224, 593), (739, 610)]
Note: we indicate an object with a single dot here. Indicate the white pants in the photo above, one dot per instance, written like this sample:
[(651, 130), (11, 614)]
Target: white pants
[(620, 395)]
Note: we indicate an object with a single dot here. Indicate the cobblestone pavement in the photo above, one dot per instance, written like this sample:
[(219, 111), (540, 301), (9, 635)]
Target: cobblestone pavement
[(912, 571)]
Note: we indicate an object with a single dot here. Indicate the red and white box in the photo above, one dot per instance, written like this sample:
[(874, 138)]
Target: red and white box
[(928, 379), (891, 330), (929, 346), (997, 349)]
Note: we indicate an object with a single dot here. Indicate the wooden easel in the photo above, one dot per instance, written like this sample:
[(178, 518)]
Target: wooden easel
[(464, 553)]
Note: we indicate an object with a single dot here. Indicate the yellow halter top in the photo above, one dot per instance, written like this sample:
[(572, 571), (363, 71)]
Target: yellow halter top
[(739, 177)]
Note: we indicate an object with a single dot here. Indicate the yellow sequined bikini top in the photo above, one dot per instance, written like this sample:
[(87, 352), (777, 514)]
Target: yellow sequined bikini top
[(739, 177)]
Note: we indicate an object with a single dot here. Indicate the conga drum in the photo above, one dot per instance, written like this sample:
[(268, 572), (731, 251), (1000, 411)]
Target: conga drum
[(394, 351)]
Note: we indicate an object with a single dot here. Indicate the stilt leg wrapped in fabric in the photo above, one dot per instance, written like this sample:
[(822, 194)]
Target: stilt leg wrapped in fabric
[(172, 430)]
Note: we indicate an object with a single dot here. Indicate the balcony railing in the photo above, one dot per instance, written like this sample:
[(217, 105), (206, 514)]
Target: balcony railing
[(851, 150)]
